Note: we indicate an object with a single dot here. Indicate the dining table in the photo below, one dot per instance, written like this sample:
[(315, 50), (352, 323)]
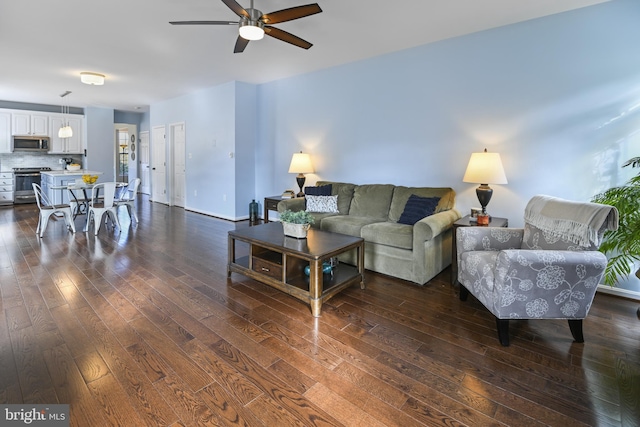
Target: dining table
[(83, 202)]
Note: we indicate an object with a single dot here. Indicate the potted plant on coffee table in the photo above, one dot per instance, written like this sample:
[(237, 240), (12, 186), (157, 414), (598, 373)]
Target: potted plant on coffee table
[(296, 224)]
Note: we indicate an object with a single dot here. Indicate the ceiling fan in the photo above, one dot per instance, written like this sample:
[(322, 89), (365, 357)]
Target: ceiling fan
[(254, 24)]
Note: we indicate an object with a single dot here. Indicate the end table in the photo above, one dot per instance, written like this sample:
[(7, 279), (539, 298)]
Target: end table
[(270, 204)]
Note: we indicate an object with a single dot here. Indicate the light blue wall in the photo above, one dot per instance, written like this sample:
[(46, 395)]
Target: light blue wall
[(557, 97), (100, 142), (246, 129), (220, 135)]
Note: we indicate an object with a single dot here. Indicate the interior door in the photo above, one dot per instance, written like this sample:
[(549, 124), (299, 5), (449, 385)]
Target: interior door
[(145, 168), (179, 165), (159, 165)]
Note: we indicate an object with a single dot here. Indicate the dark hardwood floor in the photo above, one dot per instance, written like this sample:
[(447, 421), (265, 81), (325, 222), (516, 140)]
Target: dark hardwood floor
[(143, 327)]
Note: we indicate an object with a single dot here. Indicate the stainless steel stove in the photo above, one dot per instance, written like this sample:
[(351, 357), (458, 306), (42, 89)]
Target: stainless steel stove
[(23, 178)]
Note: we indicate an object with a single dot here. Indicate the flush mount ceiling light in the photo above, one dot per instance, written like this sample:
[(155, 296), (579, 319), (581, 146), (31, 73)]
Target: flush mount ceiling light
[(90, 78)]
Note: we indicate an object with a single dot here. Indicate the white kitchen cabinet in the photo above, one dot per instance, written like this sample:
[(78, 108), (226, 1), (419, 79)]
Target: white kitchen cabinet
[(5, 132), (30, 123), (71, 145), (6, 188)]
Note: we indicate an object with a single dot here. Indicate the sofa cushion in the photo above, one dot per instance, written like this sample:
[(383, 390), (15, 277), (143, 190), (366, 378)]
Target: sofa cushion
[(321, 190), (389, 234), (344, 191), (318, 217), (346, 224), (372, 200), (327, 204), (417, 208), (402, 194)]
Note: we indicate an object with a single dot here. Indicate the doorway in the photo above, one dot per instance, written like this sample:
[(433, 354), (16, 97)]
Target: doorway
[(125, 152)]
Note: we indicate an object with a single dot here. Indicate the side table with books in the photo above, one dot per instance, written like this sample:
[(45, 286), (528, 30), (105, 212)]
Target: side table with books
[(271, 204)]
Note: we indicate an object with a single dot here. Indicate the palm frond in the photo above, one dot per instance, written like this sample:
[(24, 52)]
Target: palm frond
[(635, 162)]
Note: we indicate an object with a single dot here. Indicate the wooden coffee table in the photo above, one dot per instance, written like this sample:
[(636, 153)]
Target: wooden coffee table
[(279, 261)]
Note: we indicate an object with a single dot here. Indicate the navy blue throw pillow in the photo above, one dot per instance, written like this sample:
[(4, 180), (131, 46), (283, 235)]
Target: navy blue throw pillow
[(323, 190), (417, 208)]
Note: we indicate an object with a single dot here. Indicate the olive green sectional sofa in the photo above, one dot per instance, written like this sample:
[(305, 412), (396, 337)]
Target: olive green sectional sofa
[(415, 253)]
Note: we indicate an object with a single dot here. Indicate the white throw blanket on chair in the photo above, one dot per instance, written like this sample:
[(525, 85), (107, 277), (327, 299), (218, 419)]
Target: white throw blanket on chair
[(579, 222)]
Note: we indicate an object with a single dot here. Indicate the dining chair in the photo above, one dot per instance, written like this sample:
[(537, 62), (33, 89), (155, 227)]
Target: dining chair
[(128, 198), (47, 209), (98, 206)]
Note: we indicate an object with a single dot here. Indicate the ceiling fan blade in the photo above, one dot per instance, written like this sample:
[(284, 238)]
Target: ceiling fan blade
[(237, 9), (290, 14), (203, 23), (286, 37), (240, 45)]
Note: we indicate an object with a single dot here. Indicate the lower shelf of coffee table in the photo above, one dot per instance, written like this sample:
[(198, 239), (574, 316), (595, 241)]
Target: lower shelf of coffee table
[(295, 272)]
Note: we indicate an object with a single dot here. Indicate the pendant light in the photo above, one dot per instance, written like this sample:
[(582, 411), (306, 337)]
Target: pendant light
[(65, 130)]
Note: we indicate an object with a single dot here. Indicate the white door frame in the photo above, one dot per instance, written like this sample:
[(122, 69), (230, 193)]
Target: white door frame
[(177, 190), (159, 165), (132, 130), (144, 160)]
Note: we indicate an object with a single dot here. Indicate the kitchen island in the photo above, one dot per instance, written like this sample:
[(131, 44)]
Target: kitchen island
[(58, 178)]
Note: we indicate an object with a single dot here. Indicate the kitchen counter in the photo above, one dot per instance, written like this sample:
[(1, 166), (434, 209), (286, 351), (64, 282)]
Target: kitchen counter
[(51, 181), (71, 173)]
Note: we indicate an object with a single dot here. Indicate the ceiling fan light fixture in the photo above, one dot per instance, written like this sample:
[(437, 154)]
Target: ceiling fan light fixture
[(251, 30), (90, 78)]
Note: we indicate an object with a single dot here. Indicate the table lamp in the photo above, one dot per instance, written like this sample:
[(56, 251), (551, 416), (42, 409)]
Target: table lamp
[(484, 169), (300, 164)]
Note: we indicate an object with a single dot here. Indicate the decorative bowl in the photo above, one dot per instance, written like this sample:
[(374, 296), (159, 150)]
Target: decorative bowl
[(326, 269)]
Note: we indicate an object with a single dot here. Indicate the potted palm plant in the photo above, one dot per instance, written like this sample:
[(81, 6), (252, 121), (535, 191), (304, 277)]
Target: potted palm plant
[(623, 245), (296, 224)]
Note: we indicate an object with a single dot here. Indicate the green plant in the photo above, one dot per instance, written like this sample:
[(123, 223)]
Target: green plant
[(300, 217), (622, 245)]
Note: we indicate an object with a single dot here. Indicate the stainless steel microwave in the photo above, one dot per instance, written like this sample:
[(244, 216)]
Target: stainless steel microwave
[(30, 143)]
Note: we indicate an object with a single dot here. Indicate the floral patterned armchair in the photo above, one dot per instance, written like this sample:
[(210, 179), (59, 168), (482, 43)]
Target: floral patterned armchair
[(550, 269)]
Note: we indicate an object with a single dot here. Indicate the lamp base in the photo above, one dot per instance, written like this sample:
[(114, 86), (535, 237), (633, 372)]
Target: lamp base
[(484, 193), (300, 180), (483, 219)]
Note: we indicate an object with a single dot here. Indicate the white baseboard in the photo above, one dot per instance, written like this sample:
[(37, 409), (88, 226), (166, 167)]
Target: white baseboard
[(605, 289), (217, 215)]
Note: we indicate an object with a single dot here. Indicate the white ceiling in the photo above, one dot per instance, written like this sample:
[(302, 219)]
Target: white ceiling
[(45, 44)]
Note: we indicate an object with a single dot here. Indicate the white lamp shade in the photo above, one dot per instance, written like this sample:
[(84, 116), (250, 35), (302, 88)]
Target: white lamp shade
[(65, 132), (89, 78), (251, 32), (301, 163), (485, 168)]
